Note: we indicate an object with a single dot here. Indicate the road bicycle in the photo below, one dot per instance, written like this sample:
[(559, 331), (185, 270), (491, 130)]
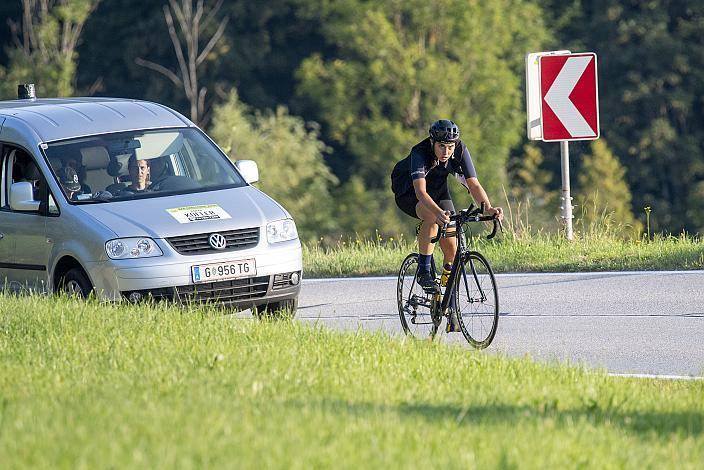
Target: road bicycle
[(471, 282)]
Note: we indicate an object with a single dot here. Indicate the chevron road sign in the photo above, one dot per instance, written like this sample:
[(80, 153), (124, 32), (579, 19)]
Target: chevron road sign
[(569, 104)]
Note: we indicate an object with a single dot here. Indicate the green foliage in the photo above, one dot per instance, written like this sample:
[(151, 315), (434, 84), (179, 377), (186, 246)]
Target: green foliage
[(532, 203), (375, 74), (364, 212), (603, 192), (602, 249), (46, 55), (263, 44), (651, 80), (399, 66), (290, 159)]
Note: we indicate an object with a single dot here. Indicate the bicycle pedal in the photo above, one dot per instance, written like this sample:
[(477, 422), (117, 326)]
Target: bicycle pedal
[(432, 290)]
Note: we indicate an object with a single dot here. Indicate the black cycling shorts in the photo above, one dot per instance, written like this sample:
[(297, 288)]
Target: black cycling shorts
[(407, 203)]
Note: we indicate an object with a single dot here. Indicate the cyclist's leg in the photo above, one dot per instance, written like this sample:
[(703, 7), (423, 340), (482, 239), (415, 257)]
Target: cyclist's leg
[(448, 245), (449, 249), (425, 249), (409, 204), (427, 231)]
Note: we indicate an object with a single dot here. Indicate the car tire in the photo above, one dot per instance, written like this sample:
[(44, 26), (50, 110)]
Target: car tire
[(277, 310), (75, 283)]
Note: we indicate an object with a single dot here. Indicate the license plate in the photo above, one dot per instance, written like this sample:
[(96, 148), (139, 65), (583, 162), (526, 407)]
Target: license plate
[(223, 271)]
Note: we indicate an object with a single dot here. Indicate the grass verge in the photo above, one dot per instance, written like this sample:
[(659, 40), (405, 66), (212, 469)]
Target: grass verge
[(86, 385), (535, 253)]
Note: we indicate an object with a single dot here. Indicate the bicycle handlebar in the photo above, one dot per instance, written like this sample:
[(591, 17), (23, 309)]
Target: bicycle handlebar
[(471, 214)]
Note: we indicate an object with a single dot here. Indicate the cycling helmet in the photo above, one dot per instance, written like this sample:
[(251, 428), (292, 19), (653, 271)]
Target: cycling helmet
[(444, 130)]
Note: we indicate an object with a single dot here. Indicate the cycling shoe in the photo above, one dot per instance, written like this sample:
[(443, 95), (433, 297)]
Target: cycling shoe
[(427, 282)]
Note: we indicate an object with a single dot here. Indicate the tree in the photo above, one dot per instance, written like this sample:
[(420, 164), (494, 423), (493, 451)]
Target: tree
[(399, 65), (190, 21), (603, 192), (368, 212), (533, 203), (651, 74), (290, 159), (45, 45)]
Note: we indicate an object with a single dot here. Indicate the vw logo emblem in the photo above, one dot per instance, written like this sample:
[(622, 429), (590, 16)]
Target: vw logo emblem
[(217, 241)]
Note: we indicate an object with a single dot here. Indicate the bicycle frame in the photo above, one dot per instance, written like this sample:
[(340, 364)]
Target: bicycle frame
[(458, 262)]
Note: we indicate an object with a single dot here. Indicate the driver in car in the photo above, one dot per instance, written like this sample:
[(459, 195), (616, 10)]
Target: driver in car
[(139, 175)]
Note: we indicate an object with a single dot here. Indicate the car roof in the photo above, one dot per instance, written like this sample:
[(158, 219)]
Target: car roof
[(63, 118)]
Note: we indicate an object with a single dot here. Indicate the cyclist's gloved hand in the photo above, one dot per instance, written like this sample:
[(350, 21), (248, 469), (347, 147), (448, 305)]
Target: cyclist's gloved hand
[(443, 217)]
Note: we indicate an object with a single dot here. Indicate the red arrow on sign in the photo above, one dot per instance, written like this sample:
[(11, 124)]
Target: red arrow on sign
[(569, 97)]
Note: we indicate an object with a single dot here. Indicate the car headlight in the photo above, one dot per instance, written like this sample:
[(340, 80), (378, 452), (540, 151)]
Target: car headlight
[(281, 231), (127, 248)]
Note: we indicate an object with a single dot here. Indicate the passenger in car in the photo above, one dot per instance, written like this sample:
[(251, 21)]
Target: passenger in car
[(76, 164), (69, 182)]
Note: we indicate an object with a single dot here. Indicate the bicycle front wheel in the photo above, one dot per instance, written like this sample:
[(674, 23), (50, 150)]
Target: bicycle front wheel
[(415, 306), (477, 300)]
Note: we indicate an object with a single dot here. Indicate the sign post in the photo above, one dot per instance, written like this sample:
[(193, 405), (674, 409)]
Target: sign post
[(562, 105), (566, 198)]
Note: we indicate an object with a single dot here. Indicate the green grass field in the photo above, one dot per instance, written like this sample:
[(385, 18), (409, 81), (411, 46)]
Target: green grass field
[(508, 253), (86, 385)]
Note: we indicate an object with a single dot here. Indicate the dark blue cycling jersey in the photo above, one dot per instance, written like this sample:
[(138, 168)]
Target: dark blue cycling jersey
[(425, 165)]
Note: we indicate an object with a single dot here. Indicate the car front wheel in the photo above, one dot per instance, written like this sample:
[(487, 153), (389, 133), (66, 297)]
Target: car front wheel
[(277, 310), (75, 283)]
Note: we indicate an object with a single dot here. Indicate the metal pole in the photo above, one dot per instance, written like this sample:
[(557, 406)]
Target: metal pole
[(566, 199)]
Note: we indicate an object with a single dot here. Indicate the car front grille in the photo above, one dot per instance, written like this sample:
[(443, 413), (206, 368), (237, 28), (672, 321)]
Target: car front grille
[(225, 291), (198, 244)]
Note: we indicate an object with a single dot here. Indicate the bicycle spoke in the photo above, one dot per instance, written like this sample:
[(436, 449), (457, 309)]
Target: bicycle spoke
[(477, 301), (413, 303)]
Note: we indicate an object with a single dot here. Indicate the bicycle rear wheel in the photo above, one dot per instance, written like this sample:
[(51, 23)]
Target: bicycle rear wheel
[(415, 306), (477, 300)]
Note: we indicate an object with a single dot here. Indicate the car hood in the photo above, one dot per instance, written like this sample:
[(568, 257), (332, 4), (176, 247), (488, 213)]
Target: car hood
[(170, 216)]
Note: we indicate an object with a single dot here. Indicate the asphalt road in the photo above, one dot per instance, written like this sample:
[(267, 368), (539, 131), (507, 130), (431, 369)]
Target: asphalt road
[(625, 322)]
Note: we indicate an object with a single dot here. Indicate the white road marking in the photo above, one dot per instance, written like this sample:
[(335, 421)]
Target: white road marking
[(576, 274), (656, 376)]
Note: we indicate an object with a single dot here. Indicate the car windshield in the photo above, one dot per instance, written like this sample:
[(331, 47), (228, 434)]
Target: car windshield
[(139, 164)]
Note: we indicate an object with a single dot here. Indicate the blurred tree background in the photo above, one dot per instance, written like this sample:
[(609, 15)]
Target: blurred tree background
[(326, 95)]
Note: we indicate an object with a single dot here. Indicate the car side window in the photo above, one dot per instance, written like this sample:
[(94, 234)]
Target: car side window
[(19, 166), (25, 169)]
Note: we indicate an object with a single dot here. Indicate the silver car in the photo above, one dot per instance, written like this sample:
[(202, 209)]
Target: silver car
[(130, 200)]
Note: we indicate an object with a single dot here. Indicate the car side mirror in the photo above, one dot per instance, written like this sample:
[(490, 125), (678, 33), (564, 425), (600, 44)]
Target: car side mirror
[(249, 170), (22, 197)]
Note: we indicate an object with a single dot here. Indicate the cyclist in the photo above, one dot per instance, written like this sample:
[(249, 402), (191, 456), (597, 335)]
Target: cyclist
[(430, 162)]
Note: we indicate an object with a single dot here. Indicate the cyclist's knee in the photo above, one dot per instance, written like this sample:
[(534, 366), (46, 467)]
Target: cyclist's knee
[(424, 214)]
